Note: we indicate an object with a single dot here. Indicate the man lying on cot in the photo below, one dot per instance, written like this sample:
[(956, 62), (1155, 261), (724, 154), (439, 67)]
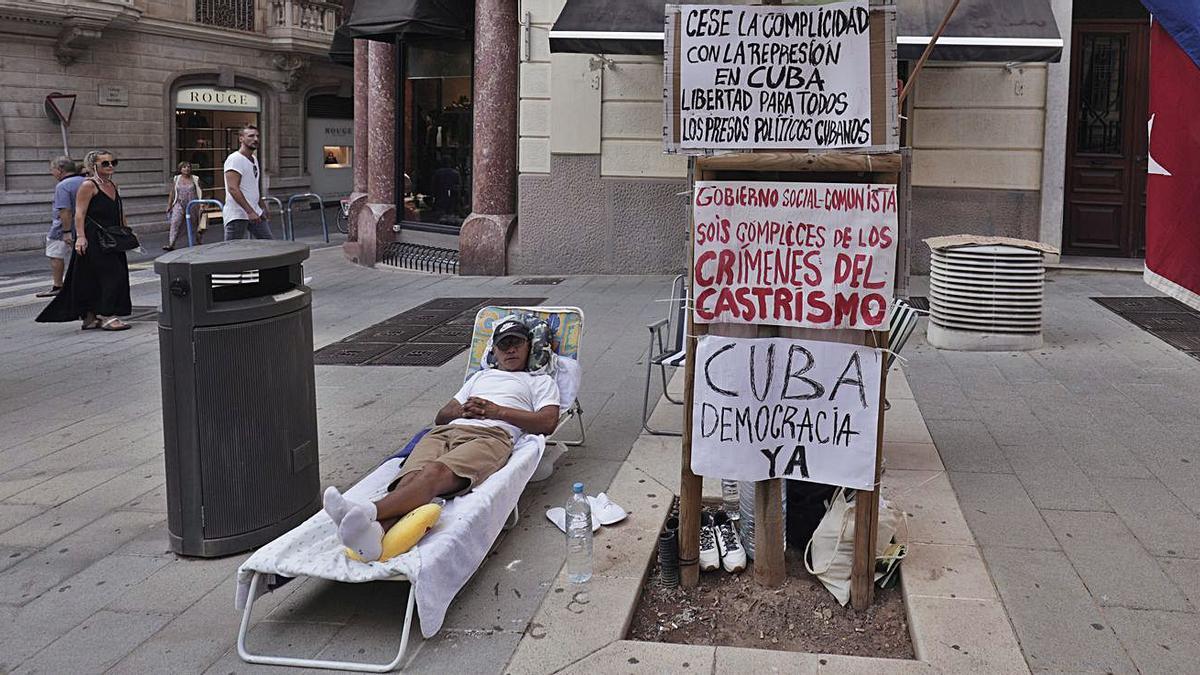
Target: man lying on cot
[(474, 438)]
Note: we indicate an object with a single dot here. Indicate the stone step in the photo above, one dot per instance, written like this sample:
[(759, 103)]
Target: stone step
[(31, 241)]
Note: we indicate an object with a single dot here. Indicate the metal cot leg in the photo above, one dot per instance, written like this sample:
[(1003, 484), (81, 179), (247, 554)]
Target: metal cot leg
[(319, 663), (576, 411)]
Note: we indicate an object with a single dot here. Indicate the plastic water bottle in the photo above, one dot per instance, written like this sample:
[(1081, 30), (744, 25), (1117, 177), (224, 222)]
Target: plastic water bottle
[(579, 536), (729, 498)]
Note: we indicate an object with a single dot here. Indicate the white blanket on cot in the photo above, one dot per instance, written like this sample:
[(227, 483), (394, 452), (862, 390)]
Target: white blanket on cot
[(438, 567)]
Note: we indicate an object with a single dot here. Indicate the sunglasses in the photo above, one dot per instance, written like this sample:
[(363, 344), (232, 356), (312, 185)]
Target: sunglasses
[(109, 163), (505, 344)]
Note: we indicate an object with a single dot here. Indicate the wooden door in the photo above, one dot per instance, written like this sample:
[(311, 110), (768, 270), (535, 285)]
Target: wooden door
[(1105, 202)]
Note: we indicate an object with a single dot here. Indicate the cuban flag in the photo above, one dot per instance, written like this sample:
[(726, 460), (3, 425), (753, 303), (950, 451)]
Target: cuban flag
[(1173, 183)]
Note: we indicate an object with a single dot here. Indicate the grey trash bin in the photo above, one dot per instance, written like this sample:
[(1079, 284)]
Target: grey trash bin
[(239, 397)]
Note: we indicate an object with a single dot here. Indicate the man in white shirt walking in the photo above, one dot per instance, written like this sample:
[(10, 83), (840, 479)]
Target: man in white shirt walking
[(242, 211)]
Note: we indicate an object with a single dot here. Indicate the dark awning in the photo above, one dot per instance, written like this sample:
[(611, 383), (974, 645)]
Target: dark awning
[(341, 49), (981, 30), (384, 19), (604, 27)]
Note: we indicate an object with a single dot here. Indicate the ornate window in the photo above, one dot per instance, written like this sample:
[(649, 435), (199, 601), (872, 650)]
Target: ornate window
[(236, 14)]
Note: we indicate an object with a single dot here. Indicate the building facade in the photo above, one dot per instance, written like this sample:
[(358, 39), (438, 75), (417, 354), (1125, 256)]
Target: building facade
[(158, 82), (1050, 152), (1004, 142)]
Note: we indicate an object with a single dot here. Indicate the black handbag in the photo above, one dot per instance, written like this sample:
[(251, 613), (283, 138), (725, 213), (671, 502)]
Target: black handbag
[(115, 238)]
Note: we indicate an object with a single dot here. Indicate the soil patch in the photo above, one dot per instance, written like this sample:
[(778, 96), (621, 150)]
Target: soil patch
[(731, 610)]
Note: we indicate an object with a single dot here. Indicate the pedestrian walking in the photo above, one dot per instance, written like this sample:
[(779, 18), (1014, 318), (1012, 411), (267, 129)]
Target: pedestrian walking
[(184, 188), (242, 211), (62, 220), (96, 288)]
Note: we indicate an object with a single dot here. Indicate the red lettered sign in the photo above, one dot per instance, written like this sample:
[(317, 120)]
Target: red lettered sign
[(810, 255)]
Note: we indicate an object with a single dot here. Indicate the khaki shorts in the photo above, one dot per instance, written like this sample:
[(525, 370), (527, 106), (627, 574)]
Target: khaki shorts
[(471, 452), (57, 248)]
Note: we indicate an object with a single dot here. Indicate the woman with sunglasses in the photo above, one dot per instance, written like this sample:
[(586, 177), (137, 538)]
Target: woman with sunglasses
[(96, 289), (184, 189)]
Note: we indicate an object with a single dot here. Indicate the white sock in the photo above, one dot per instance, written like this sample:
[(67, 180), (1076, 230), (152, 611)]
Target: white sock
[(336, 505), (361, 533)]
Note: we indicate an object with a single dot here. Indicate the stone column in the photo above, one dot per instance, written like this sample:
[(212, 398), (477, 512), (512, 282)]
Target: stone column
[(361, 104), (483, 241), (376, 220), (358, 194)]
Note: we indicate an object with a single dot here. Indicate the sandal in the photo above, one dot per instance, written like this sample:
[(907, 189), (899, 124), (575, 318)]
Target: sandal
[(109, 324), (89, 325)]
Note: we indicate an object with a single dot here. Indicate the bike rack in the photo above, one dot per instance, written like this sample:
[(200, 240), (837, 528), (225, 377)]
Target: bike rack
[(267, 210), (291, 230), (187, 215)]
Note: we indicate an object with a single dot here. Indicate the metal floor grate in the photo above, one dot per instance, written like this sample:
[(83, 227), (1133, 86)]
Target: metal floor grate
[(421, 258), (539, 281), (1144, 304), (448, 334), (351, 353), (1165, 318), (419, 354), (392, 333), (427, 335)]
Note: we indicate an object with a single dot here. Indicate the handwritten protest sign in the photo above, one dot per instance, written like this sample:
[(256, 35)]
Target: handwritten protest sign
[(781, 408), (813, 255), (775, 77)]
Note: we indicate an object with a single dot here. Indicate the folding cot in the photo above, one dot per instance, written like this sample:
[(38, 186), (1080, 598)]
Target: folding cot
[(442, 563)]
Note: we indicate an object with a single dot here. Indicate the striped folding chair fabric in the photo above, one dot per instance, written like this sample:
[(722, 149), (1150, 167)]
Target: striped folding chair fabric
[(900, 327)]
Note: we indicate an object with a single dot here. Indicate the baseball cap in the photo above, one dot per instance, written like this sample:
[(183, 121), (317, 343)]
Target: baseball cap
[(509, 327)]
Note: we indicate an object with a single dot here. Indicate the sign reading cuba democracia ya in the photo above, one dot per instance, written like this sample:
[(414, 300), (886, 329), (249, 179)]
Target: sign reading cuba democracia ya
[(806, 255), (774, 77), (781, 408)]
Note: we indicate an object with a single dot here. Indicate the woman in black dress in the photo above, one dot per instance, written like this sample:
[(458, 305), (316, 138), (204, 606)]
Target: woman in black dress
[(96, 289)]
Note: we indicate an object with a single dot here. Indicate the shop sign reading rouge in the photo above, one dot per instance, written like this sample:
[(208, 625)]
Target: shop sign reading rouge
[(209, 98)]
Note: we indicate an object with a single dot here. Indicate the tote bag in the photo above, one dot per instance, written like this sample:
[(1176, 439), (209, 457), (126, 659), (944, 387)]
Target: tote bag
[(830, 553)]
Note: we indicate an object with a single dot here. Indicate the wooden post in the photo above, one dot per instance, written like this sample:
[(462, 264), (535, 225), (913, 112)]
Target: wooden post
[(866, 509), (690, 485), (769, 568)]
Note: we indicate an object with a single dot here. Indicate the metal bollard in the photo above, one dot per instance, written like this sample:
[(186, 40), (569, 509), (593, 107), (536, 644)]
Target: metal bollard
[(267, 210), (187, 216), (320, 203)]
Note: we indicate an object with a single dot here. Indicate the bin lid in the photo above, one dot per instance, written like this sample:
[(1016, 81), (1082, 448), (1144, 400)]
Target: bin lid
[(254, 253)]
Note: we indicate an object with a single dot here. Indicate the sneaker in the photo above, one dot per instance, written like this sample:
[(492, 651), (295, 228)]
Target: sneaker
[(729, 544), (710, 558)]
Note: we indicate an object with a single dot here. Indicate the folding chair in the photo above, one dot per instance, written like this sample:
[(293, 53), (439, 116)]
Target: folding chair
[(900, 327), (666, 349), (445, 559)]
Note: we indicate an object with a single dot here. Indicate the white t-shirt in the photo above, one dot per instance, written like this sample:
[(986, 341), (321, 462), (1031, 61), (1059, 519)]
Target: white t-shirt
[(246, 166), (520, 390)]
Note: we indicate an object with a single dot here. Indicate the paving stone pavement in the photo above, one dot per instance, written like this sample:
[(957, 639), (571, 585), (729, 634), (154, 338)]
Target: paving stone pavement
[(87, 582), (1077, 466)]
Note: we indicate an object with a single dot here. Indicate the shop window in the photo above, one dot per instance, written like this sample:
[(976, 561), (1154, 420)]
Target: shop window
[(337, 156), (204, 138), (437, 132)]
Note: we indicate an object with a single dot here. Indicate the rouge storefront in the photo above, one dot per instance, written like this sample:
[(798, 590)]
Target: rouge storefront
[(207, 120)]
